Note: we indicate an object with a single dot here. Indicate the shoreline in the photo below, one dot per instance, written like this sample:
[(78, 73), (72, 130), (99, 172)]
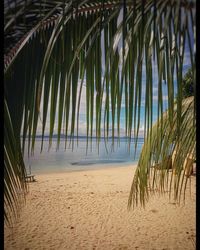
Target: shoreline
[(92, 167)]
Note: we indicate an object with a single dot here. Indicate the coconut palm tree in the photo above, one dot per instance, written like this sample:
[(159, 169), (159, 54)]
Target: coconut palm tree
[(53, 48)]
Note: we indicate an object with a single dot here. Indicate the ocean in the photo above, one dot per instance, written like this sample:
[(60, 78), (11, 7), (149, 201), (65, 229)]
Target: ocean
[(81, 158)]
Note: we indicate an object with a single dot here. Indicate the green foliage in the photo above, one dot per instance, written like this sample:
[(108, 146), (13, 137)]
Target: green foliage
[(164, 142), (55, 44), (188, 84)]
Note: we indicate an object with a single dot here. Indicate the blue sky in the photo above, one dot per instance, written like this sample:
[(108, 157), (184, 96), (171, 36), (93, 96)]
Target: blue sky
[(82, 117)]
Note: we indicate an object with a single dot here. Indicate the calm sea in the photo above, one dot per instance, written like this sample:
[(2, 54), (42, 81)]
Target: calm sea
[(79, 158)]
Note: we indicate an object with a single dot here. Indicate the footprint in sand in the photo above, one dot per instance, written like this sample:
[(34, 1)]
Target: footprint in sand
[(70, 198), (154, 210), (172, 203), (122, 247)]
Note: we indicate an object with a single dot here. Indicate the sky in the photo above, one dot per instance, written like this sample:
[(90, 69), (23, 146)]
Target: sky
[(82, 117)]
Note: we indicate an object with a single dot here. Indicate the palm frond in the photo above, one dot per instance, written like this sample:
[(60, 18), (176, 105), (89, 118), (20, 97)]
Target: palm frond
[(154, 172), (14, 170), (52, 45)]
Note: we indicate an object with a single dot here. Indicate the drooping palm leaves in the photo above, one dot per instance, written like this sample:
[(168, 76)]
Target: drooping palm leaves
[(163, 156), (52, 48), (14, 169)]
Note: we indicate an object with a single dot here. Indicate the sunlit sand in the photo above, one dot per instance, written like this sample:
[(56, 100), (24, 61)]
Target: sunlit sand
[(88, 210)]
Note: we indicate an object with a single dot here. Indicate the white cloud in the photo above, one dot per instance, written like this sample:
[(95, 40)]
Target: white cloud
[(82, 120), (164, 98)]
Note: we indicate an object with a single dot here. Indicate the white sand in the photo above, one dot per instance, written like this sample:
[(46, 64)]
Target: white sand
[(88, 210)]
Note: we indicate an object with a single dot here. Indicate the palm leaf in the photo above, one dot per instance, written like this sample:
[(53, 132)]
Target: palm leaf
[(180, 148), (63, 40)]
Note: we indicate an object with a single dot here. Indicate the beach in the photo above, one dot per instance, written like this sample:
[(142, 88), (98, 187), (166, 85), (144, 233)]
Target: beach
[(88, 210)]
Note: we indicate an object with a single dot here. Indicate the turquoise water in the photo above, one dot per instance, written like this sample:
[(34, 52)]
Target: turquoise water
[(79, 159)]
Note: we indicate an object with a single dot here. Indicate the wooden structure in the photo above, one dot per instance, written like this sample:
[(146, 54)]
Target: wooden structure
[(30, 178)]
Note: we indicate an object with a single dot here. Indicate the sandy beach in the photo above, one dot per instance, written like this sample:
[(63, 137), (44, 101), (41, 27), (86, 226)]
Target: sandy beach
[(88, 210)]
